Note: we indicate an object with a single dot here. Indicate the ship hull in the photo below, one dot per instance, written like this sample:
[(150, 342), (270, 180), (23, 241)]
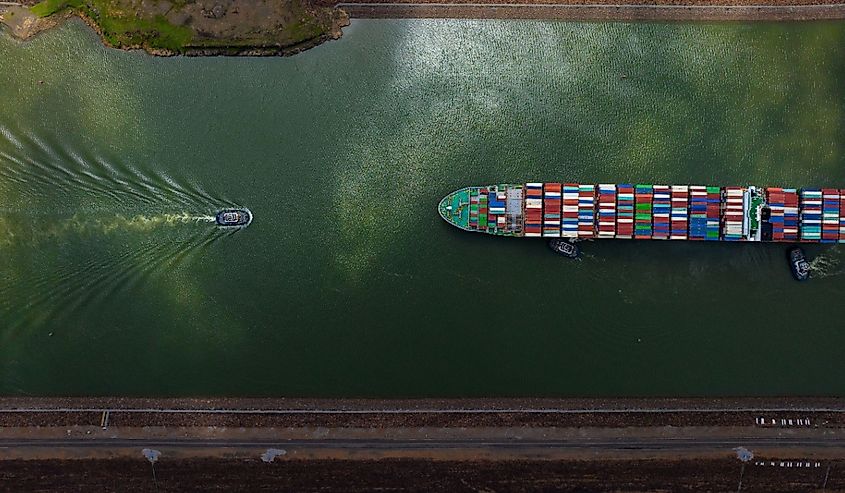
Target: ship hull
[(649, 212)]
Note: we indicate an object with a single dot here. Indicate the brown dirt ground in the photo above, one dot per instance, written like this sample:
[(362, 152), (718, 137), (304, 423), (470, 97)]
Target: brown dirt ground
[(410, 475)]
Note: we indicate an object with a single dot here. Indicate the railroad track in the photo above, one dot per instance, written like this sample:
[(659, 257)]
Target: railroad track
[(622, 443)]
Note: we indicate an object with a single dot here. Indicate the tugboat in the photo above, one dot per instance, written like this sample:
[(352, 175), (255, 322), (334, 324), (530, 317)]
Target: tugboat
[(565, 248), (798, 264), (233, 218)]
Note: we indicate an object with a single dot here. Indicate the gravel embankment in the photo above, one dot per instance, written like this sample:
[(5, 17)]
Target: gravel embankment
[(628, 11), (362, 413)]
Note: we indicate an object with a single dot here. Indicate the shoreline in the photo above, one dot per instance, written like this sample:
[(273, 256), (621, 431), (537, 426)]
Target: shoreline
[(449, 403), (24, 25), (577, 11), (399, 413), (243, 29)]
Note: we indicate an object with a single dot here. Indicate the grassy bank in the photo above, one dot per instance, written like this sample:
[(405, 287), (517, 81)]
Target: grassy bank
[(182, 26)]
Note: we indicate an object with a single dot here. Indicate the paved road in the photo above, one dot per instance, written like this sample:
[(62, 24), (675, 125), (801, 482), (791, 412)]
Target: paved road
[(626, 443)]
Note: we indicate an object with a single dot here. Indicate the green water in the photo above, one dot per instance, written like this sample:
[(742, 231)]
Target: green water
[(112, 280)]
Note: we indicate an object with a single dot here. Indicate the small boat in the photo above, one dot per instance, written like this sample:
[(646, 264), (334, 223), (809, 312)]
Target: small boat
[(798, 264), (233, 218), (565, 248)]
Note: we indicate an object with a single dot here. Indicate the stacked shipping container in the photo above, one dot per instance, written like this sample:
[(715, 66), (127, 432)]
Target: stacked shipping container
[(586, 211), (776, 200), (496, 204), (714, 213), (733, 214), (790, 214), (830, 215), (533, 209), (569, 226), (625, 211), (607, 211), (645, 211), (642, 218), (473, 208), (551, 209), (811, 215), (680, 212), (698, 212), (482, 211), (661, 212), (842, 216)]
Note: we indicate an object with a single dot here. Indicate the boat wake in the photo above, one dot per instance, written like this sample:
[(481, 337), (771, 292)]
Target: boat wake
[(46, 174), (827, 264), (80, 227), (55, 285), (21, 229)]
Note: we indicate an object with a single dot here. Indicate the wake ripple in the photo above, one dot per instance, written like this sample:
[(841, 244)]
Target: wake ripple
[(39, 174)]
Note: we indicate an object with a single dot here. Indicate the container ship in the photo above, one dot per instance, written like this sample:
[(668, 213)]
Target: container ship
[(576, 211)]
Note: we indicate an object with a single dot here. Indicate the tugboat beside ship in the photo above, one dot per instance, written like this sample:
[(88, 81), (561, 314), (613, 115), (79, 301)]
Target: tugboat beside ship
[(798, 264)]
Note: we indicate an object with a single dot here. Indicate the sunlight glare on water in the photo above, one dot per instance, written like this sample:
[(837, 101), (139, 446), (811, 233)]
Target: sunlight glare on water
[(112, 170)]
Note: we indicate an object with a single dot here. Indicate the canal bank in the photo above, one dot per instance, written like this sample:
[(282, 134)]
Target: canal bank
[(784, 414), (259, 28), (583, 11)]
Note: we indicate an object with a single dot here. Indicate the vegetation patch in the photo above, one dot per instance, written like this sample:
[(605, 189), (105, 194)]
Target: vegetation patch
[(219, 27), (123, 26), (50, 7)]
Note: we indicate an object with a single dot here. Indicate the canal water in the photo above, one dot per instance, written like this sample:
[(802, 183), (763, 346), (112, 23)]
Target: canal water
[(113, 280)]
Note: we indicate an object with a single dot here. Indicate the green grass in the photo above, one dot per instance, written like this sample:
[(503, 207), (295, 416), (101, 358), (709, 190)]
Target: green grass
[(133, 31), (120, 26), (301, 31), (50, 7), (123, 26)]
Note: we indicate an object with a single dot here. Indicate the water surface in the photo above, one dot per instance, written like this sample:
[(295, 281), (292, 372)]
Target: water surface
[(348, 283)]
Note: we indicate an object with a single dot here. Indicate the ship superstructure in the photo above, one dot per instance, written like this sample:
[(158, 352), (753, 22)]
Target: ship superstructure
[(649, 212)]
